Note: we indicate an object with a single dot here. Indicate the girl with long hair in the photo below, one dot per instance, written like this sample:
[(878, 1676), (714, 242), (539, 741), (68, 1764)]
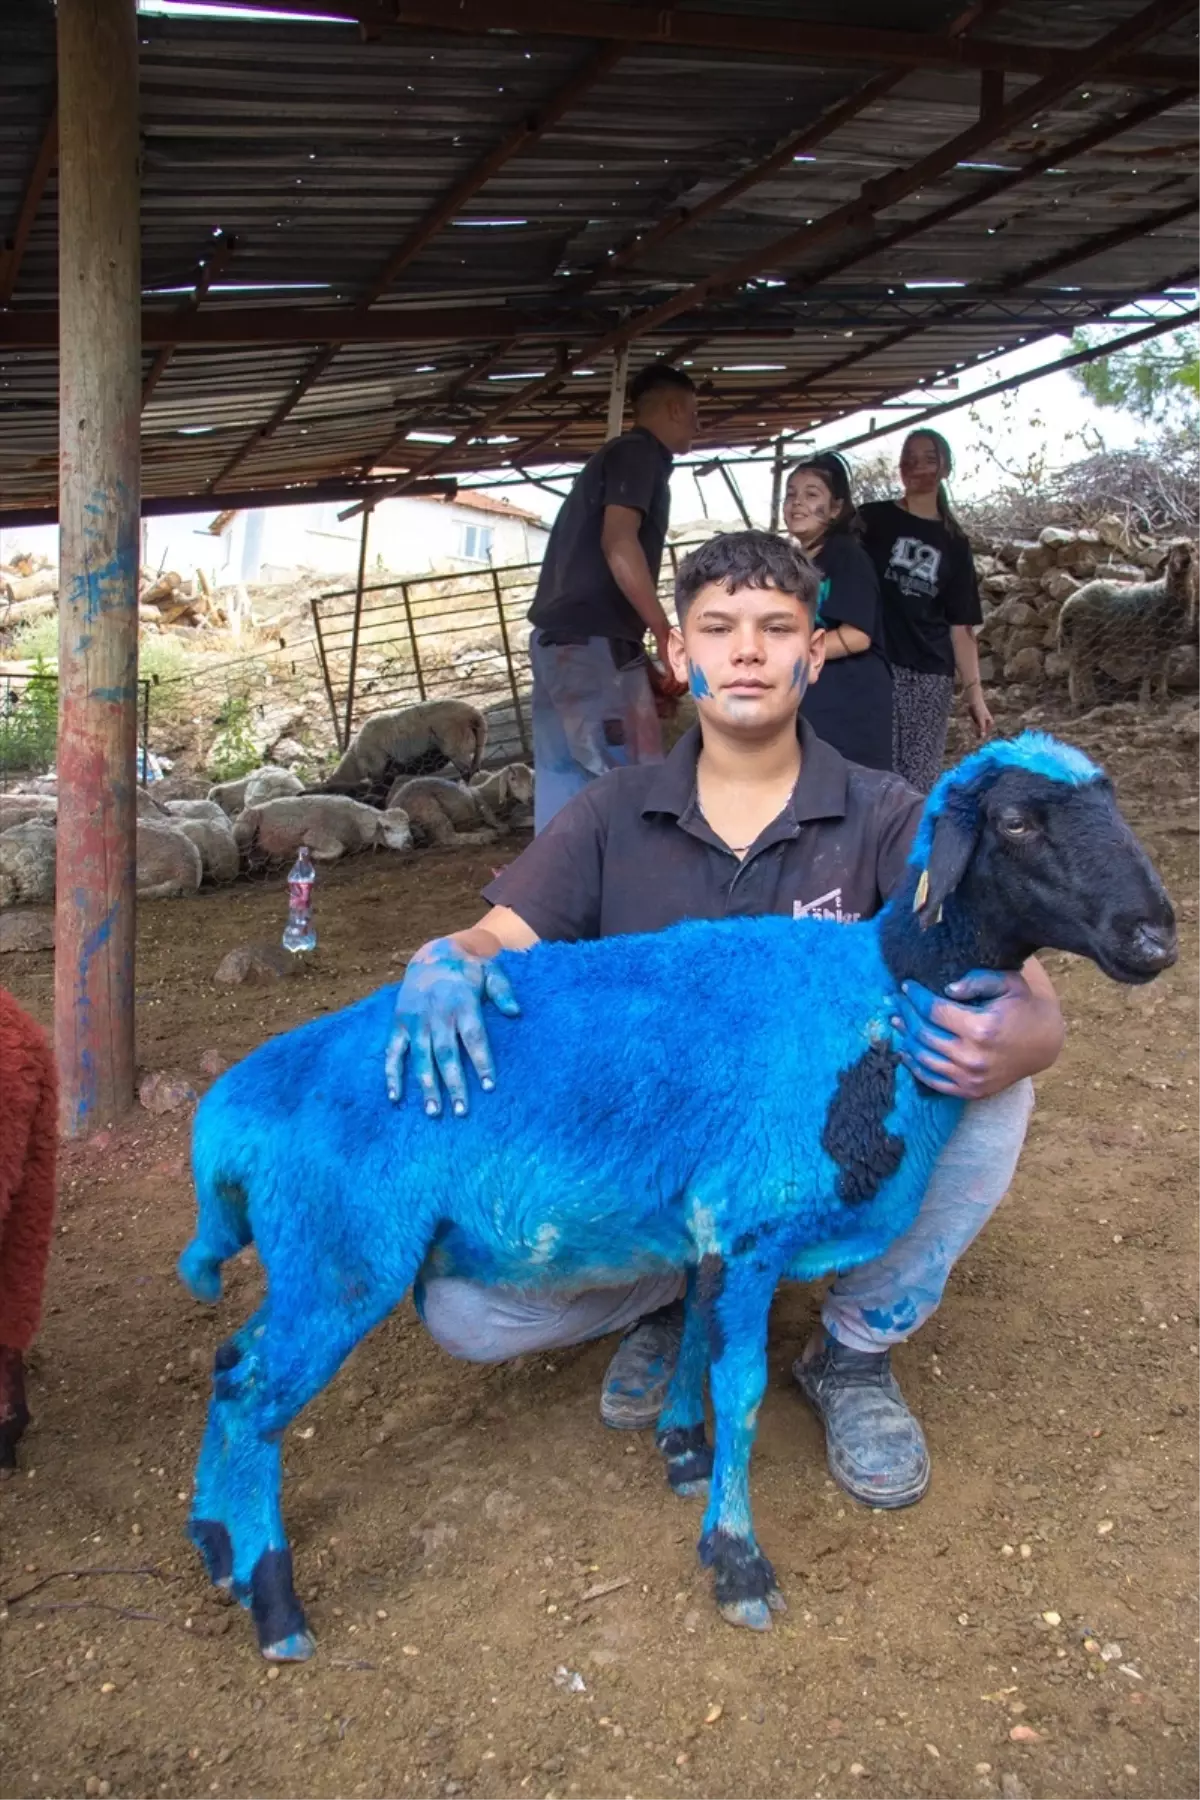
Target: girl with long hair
[(930, 607), (850, 705)]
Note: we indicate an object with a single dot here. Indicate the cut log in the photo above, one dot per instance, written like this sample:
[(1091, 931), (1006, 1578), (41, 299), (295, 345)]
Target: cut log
[(162, 589), (30, 587), (19, 612)]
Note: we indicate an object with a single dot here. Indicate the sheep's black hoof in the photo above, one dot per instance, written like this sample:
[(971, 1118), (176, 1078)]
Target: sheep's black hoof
[(283, 1635), (688, 1458), (213, 1542), (746, 1589)]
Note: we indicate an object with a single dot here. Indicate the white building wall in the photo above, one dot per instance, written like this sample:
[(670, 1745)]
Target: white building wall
[(407, 537)]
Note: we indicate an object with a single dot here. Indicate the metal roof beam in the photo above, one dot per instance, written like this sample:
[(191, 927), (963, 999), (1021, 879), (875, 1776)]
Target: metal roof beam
[(13, 252), (215, 264), (528, 129), (1078, 146), (830, 121), (730, 30), (887, 191), (167, 506), (1074, 361)]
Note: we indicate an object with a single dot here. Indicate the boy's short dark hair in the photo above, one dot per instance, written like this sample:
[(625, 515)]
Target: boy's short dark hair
[(737, 559), (659, 375)]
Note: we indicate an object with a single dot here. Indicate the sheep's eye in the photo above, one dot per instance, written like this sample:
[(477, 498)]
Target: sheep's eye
[(1015, 825)]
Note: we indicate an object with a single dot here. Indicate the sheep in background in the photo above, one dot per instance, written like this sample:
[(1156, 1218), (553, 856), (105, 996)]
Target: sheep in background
[(329, 824), (220, 861), (27, 853), (444, 813), (267, 783), (169, 864), (16, 809), (28, 1142), (762, 1125), (1127, 630), (195, 809), (409, 740)]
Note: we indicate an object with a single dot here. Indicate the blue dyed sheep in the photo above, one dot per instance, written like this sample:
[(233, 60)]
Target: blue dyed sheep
[(762, 1126)]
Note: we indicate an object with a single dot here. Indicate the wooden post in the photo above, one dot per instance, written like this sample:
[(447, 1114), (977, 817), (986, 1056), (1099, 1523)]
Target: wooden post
[(99, 257), (357, 626), (776, 484), (616, 392), (512, 673)]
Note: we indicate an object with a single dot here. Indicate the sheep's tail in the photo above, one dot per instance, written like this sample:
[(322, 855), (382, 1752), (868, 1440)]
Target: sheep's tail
[(223, 1223)]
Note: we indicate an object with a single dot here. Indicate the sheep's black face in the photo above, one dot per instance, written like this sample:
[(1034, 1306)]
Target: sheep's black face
[(1059, 867)]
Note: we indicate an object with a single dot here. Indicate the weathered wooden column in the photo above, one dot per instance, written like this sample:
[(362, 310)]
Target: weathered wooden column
[(99, 503)]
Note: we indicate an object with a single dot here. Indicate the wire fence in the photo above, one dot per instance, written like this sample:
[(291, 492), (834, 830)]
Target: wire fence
[(29, 726), (435, 637)]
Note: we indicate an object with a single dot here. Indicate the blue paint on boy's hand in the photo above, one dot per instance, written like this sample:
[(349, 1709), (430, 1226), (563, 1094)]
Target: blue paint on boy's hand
[(438, 1006), (698, 684)]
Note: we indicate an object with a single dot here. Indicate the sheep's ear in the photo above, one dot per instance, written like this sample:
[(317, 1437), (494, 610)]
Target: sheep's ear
[(953, 842)]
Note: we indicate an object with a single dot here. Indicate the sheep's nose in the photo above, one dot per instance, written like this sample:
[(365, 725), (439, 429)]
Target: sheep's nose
[(1156, 945)]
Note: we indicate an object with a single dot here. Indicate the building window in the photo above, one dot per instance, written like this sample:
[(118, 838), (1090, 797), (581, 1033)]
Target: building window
[(477, 542)]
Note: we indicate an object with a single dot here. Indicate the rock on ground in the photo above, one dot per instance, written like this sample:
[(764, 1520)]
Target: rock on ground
[(165, 1091), (26, 930), (255, 963), (27, 855)]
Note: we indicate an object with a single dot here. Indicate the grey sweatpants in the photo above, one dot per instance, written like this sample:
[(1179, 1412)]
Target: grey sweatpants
[(880, 1303)]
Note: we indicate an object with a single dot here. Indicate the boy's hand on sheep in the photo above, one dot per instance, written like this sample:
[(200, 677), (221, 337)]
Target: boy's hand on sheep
[(989, 1030), (438, 1005)]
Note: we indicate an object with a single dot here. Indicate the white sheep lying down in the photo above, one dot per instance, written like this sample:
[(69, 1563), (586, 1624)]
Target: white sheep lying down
[(444, 813), (267, 783), (329, 824)]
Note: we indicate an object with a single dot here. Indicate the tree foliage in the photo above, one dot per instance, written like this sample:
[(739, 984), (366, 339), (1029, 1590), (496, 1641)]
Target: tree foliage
[(1155, 381)]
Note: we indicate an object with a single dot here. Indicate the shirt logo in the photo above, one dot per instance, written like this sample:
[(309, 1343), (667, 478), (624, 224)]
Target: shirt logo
[(914, 566), (825, 906)]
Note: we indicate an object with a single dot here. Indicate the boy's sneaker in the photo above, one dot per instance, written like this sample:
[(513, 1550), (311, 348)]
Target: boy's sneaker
[(637, 1378), (875, 1448)]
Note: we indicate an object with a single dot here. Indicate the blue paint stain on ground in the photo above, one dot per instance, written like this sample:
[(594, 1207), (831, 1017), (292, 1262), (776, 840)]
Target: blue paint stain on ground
[(698, 684)]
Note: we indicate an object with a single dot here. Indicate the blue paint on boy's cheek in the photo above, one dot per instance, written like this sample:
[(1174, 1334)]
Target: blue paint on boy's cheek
[(800, 676), (698, 683)]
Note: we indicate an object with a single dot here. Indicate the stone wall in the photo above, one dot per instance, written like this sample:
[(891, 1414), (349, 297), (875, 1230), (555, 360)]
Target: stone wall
[(1023, 584)]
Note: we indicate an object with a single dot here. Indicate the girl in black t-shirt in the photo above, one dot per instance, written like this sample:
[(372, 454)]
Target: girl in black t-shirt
[(930, 607), (850, 706)]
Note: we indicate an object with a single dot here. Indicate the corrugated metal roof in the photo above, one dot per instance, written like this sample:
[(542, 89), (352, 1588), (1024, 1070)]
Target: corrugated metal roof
[(321, 151)]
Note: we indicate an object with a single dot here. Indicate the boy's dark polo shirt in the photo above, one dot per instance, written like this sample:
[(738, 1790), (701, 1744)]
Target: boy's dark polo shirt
[(577, 594), (633, 853)]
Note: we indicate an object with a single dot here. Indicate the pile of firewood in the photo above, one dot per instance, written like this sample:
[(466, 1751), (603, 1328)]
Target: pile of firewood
[(29, 589)]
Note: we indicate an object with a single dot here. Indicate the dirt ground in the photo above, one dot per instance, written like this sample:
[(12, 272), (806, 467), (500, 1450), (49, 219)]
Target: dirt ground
[(469, 1541)]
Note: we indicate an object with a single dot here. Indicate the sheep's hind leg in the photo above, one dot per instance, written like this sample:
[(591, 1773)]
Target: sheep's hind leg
[(680, 1432), (736, 1298), (260, 1382)]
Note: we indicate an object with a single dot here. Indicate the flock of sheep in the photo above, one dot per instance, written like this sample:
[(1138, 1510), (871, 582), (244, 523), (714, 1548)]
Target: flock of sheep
[(384, 793)]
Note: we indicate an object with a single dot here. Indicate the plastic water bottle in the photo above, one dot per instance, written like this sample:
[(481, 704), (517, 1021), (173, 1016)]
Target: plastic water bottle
[(300, 933)]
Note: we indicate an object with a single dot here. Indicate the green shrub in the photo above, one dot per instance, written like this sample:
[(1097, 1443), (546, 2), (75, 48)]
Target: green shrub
[(233, 752), (29, 720)]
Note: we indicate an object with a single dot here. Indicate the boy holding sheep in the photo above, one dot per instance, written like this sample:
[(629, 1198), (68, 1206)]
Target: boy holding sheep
[(750, 813)]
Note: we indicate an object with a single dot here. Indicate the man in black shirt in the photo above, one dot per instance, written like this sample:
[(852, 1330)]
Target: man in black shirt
[(597, 596), (748, 815)]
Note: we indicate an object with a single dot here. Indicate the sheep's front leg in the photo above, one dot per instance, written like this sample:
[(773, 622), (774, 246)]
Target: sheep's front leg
[(680, 1433), (736, 1299)]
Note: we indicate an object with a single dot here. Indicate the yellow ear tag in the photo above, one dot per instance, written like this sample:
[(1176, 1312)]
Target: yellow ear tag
[(922, 893)]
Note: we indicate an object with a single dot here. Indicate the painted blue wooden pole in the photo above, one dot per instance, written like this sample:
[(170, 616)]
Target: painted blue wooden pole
[(99, 500)]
